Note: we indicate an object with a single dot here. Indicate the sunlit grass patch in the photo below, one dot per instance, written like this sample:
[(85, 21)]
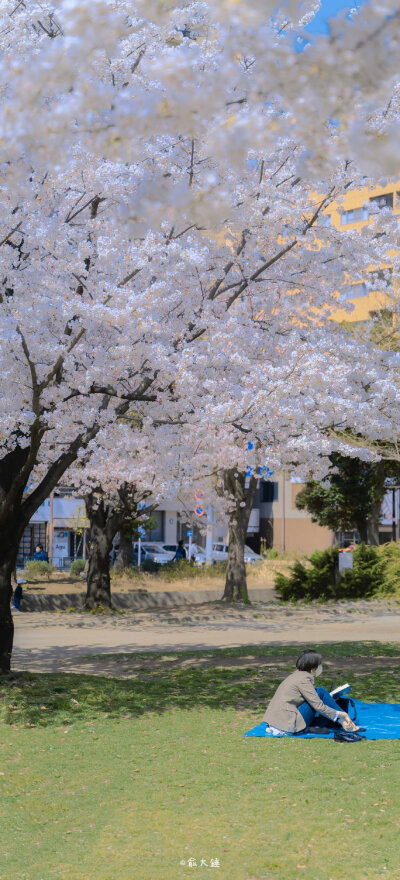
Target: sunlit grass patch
[(129, 779)]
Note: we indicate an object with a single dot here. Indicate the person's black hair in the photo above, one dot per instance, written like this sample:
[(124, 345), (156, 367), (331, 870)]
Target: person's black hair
[(179, 543), (40, 545), (308, 660)]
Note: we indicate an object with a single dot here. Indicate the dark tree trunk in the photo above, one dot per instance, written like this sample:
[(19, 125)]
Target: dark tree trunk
[(236, 580), (12, 524), (106, 519), (102, 532), (16, 510), (6, 619), (9, 545), (362, 529), (125, 553), (373, 524), (98, 592), (375, 510)]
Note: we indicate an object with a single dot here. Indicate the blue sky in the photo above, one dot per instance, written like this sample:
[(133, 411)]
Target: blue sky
[(329, 8)]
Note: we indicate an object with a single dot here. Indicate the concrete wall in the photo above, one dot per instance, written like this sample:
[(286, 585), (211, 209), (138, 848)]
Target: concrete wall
[(301, 536), (286, 527)]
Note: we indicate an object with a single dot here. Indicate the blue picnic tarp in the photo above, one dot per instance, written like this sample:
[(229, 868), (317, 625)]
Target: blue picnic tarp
[(381, 720)]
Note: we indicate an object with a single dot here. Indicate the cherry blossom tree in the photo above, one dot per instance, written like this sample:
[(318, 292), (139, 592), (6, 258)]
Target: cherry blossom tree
[(163, 240), (142, 471), (106, 516)]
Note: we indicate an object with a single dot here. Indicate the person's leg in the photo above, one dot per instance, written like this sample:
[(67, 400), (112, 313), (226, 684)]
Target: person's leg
[(328, 699), (308, 713)]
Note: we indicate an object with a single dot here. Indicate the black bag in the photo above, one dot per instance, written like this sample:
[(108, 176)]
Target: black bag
[(348, 737)]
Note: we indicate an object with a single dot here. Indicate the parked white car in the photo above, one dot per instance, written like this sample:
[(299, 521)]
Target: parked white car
[(197, 552), (152, 551), (250, 556), (220, 554)]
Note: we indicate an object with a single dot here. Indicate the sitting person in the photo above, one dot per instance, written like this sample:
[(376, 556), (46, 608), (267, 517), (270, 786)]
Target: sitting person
[(296, 701)]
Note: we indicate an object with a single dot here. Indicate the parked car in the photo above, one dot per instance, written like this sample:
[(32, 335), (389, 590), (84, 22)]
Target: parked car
[(151, 553), (220, 554), (158, 552), (250, 556), (197, 552), (170, 548)]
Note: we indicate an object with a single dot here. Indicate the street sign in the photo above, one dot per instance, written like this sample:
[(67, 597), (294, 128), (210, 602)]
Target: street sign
[(199, 510), (345, 560), (141, 505), (141, 531), (199, 494), (189, 534), (265, 471), (387, 515)]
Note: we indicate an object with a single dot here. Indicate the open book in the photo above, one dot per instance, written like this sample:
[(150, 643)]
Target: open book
[(341, 690)]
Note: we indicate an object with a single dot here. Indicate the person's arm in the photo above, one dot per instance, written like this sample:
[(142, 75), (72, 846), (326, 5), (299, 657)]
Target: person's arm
[(311, 696)]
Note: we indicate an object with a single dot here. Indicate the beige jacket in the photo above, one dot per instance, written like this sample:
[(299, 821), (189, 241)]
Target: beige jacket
[(297, 688)]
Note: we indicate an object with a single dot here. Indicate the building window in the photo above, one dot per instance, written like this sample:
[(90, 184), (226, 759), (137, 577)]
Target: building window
[(355, 291), (354, 216), (34, 534), (385, 201), (269, 491), (156, 533)]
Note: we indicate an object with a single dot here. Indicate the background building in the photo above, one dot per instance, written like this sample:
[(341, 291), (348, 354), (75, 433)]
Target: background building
[(355, 212)]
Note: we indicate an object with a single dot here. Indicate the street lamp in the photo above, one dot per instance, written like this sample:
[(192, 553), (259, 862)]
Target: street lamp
[(394, 490)]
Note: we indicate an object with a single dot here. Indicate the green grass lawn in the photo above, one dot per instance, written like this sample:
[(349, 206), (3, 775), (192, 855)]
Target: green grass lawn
[(129, 778)]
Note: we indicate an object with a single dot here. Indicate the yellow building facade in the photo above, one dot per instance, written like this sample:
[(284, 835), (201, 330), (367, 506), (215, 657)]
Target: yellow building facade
[(354, 213), (282, 524)]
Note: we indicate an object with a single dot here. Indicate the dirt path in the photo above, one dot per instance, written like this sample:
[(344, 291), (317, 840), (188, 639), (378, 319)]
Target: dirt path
[(53, 641)]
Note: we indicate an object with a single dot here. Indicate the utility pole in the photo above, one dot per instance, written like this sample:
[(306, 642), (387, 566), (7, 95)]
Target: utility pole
[(209, 535), (51, 528)]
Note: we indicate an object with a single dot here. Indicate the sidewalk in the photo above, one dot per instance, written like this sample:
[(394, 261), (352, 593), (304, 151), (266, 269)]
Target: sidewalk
[(138, 599), (51, 641)]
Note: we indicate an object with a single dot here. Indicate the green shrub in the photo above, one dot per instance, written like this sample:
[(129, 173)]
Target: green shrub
[(366, 577), (390, 555), (77, 567), (37, 569), (320, 580), (272, 553), (149, 566), (308, 584)]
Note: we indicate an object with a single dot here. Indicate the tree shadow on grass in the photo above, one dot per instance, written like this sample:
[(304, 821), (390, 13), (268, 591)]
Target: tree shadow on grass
[(245, 678)]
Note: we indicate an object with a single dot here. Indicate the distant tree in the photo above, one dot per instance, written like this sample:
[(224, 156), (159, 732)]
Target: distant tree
[(349, 497)]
